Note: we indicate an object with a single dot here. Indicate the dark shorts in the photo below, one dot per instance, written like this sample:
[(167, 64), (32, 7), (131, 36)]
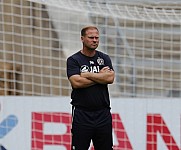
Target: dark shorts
[(92, 125)]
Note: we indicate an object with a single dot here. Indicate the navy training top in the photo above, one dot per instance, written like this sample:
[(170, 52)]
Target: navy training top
[(96, 96)]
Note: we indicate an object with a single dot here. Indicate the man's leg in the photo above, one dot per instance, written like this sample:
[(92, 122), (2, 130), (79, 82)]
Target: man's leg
[(102, 139), (82, 130), (81, 137)]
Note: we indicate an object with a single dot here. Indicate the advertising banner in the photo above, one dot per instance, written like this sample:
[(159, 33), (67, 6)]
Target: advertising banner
[(44, 123)]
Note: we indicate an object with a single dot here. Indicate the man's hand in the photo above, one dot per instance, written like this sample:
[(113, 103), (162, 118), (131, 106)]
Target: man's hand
[(105, 69)]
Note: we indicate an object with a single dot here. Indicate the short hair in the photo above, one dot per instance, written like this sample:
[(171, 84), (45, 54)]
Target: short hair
[(83, 31)]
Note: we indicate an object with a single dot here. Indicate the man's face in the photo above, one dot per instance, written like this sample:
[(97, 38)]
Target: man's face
[(91, 39)]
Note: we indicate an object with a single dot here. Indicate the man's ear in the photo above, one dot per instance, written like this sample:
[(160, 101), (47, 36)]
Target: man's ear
[(82, 38)]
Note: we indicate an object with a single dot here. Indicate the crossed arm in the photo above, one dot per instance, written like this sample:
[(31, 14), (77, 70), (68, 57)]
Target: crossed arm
[(86, 79)]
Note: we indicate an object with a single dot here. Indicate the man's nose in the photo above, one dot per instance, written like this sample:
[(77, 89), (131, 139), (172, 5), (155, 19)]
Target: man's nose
[(95, 39)]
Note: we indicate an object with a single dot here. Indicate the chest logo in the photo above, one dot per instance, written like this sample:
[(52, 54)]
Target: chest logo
[(84, 68), (91, 62), (100, 61)]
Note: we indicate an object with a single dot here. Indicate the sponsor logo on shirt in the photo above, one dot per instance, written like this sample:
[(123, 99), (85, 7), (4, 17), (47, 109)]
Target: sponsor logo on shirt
[(84, 68), (93, 69)]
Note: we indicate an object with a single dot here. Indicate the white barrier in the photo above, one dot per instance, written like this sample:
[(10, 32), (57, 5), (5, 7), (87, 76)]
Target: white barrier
[(44, 123)]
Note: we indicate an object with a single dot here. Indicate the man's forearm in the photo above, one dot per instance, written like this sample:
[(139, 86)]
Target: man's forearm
[(80, 82), (101, 78)]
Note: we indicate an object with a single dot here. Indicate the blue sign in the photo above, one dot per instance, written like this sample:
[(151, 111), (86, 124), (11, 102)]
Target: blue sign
[(2, 148), (6, 126)]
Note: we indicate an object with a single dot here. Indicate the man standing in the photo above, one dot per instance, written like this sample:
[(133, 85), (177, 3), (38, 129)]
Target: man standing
[(89, 72)]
